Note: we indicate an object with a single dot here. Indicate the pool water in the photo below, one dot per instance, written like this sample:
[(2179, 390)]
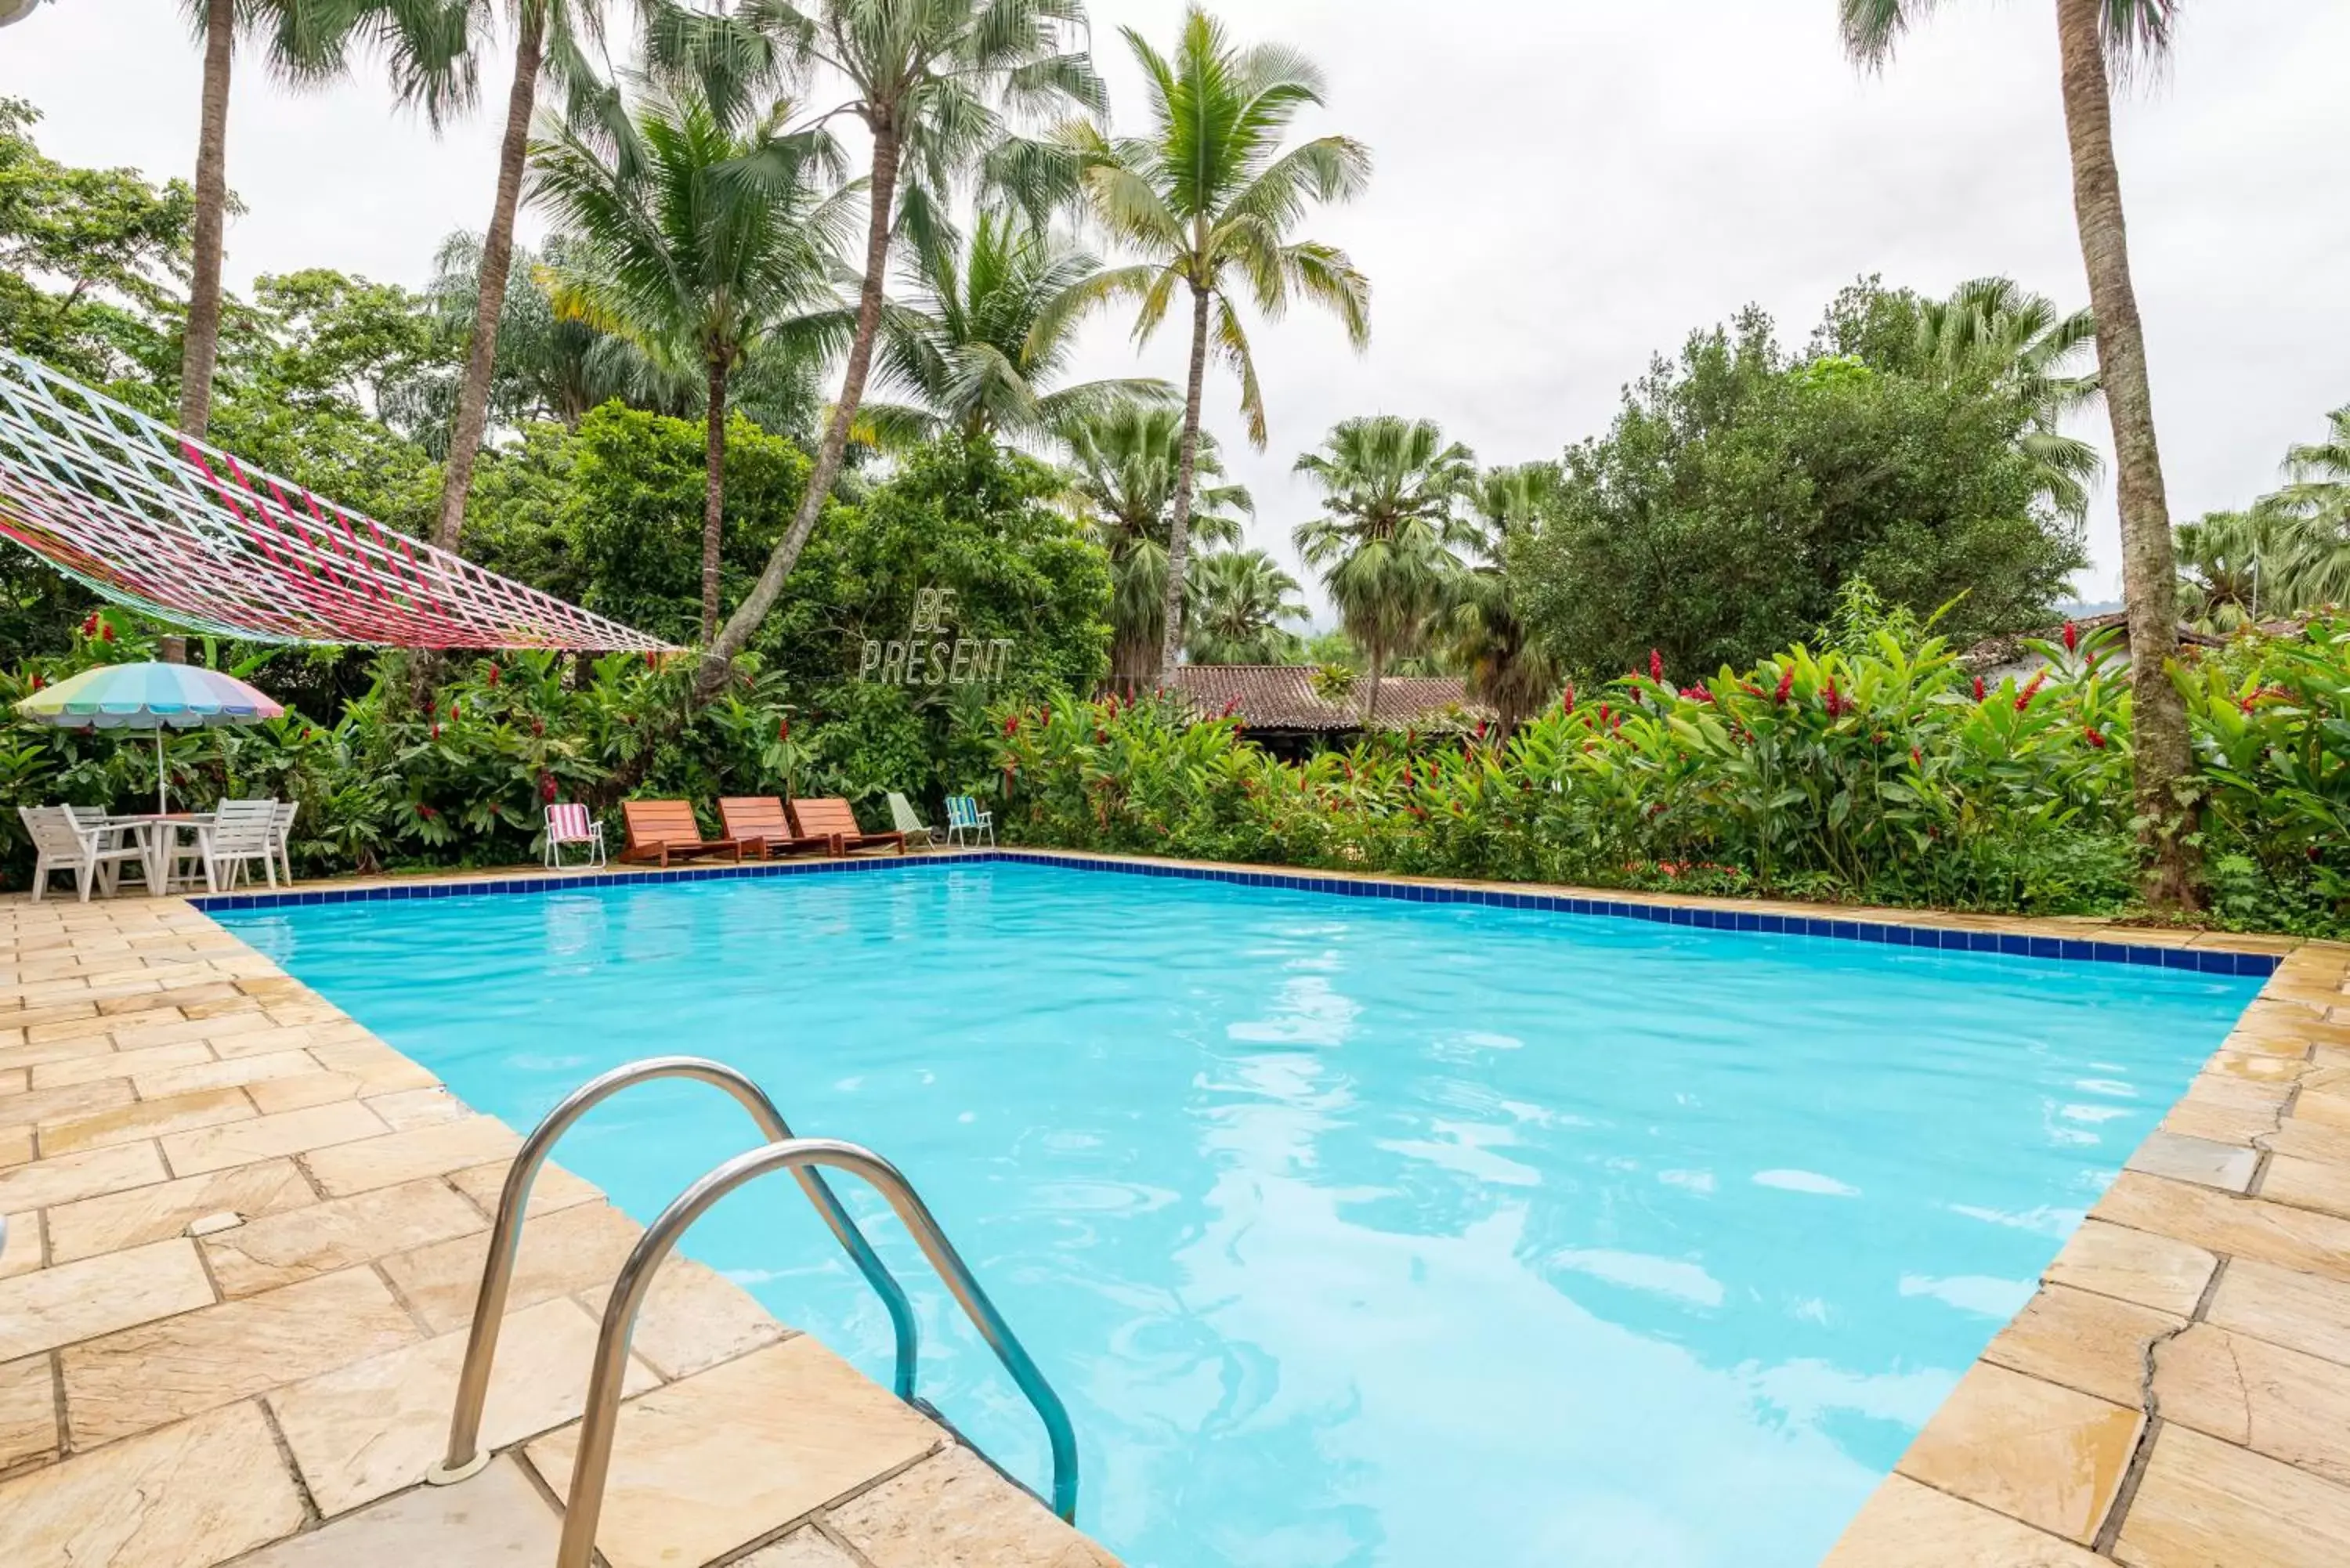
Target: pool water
[(1352, 1232)]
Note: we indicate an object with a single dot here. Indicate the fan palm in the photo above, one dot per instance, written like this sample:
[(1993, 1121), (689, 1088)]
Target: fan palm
[(1504, 665), (2094, 38), (1211, 197), (1391, 493), (1993, 329), (932, 81), (2230, 562), (1239, 600), (704, 235), (2314, 507), (988, 330), (1125, 459)]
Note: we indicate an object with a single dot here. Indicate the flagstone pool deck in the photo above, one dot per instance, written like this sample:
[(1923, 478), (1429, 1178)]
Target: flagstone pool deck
[(244, 1236)]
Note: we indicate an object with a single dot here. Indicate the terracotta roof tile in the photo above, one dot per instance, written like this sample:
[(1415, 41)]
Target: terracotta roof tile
[(1281, 697)]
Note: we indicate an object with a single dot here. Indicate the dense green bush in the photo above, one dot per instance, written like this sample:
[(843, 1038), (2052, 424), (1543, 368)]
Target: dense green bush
[(1888, 775)]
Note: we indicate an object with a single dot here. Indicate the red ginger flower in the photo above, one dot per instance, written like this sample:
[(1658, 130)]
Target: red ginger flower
[(1832, 699), (2090, 734), (2072, 637), (1786, 684), (2024, 697), (1916, 758), (105, 631), (546, 788), (1979, 688), (1655, 666), (494, 675)]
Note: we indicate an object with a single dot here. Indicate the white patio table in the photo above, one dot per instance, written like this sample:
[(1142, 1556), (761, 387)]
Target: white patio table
[(158, 834)]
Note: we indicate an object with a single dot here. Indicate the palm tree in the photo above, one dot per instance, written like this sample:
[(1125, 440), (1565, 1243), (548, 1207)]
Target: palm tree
[(305, 43), (2314, 507), (2096, 38), (703, 233), (1239, 600), (2230, 563), (1483, 633), (988, 330), (1391, 492), (1210, 197), (929, 80), (1124, 462), (548, 39), (1993, 329)]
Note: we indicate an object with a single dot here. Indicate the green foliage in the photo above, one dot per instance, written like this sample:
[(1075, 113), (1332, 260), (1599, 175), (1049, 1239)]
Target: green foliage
[(1884, 773), (1737, 490)]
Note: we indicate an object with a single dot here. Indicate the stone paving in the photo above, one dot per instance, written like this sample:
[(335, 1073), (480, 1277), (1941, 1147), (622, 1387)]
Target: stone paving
[(243, 1238), (243, 1235)]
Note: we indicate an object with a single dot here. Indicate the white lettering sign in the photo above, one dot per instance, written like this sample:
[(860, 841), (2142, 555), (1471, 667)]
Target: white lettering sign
[(931, 654)]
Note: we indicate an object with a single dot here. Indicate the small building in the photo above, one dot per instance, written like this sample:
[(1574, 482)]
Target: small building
[(1286, 712)]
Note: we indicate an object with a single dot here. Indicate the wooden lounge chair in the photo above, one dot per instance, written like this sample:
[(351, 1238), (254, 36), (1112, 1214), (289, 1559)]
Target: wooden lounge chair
[(760, 819), (660, 830), (832, 819)]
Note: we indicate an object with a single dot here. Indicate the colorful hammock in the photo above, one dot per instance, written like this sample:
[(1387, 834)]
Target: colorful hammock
[(183, 531)]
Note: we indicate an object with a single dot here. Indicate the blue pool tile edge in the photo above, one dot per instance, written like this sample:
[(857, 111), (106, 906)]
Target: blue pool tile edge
[(2206, 961)]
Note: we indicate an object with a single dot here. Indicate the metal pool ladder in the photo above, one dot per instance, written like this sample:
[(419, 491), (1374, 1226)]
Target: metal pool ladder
[(801, 1156)]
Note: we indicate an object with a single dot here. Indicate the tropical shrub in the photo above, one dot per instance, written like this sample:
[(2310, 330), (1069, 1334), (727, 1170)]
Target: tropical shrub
[(1886, 774)]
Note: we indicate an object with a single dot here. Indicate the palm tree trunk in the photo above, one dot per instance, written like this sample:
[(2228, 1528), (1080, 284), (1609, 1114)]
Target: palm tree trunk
[(1178, 516), (714, 495), (2149, 572), (1371, 690), (497, 261), (201, 344), (753, 610)]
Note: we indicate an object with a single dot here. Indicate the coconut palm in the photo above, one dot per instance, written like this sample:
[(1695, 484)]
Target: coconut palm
[(1482, 632), (550, 37), (704, 235), (932, 81), (986, 334), (1993, 329), (1125, 460), (2094, 39), (1392, 491), (1237, 602), (305, 43), (1210, 196)]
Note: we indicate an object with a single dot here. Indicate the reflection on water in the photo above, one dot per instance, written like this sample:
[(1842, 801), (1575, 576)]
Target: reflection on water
[(1352, 1233)]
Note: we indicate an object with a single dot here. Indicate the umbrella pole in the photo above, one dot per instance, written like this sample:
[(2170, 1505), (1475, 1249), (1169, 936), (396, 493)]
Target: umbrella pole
[(159, 771)]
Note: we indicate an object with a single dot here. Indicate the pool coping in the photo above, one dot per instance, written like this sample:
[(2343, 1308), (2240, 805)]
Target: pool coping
[(2111, 1421), (2205, 952)]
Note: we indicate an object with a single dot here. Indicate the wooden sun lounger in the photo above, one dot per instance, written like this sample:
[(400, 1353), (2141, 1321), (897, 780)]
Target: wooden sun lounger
[(832, 819), (660, 830), (760, 819)]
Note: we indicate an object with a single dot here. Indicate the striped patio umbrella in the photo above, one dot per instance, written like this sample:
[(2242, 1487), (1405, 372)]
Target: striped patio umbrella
[(155, 697)]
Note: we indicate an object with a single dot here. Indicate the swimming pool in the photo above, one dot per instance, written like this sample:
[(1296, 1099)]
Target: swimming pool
[(1352, 1232)]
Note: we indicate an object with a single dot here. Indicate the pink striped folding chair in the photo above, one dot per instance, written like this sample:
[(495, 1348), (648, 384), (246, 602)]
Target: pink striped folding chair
[(569, 823)]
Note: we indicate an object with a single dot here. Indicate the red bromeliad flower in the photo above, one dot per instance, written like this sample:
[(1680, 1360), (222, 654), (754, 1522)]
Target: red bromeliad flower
[(1786, 684), (1656, 667), (2024, 697), (2072, 637), (1012, 723), (37, 681), (105, 631), (652, 660), (1917, 759), (1979, 688), (783, 729), (2090, 734), (1480, 728), (494, 675), (426, 812), (89, 624)]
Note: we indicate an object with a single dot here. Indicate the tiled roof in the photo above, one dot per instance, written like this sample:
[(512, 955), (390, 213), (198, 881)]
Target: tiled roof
[(1281, 697)]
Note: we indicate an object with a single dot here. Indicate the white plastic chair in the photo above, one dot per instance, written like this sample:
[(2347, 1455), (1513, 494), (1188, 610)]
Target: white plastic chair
[(902, 818), (91, 851), (241, 831), (966, 821), (281, 836), (568, 823)]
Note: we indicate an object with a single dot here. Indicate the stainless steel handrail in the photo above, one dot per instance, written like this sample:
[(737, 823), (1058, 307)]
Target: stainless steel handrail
[(462, 1458), (591, 1465)]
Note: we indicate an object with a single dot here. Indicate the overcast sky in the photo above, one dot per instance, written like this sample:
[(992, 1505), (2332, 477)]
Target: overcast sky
[(1564, 188)]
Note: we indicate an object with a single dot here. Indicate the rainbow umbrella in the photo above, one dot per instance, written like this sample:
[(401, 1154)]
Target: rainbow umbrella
[(155, 697)]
